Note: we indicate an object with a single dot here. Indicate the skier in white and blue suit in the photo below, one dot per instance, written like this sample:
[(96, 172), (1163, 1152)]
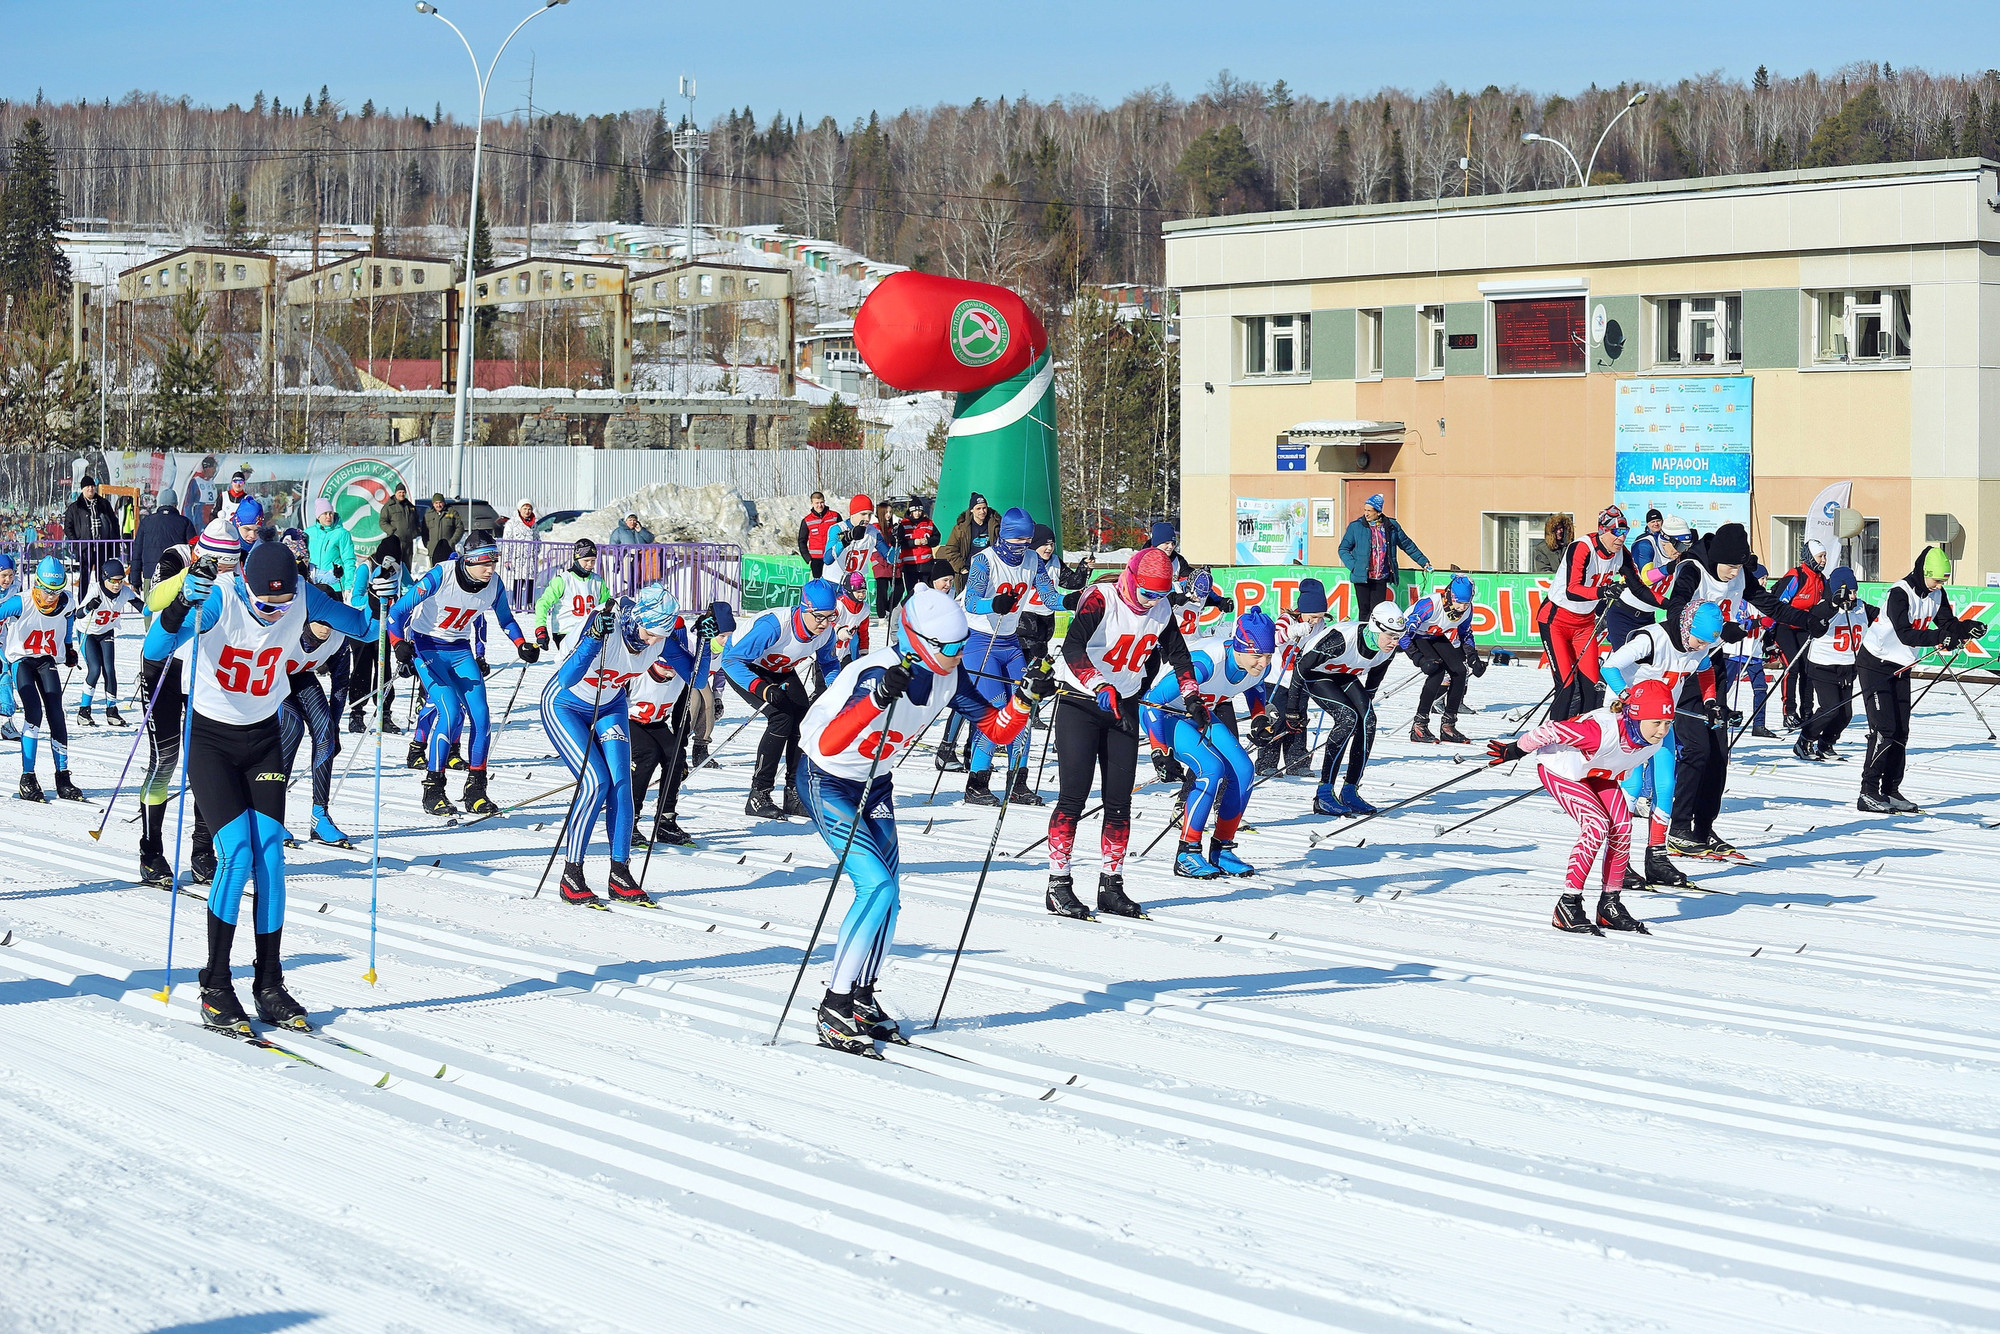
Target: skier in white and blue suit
[(996, 584), (1219, 767), (873, 710)]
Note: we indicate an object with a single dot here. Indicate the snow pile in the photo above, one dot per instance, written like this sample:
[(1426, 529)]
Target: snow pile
[(763, 525)]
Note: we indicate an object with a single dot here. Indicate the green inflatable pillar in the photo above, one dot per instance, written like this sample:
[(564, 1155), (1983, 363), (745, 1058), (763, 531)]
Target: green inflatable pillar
[(1003, 445)]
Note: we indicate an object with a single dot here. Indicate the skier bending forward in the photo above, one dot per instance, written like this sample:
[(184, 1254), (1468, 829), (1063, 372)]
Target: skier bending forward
[(876, 706), (1580, 761)]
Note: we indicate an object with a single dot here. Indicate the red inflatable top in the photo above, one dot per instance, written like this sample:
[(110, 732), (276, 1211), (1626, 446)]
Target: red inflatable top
[(922, 331)]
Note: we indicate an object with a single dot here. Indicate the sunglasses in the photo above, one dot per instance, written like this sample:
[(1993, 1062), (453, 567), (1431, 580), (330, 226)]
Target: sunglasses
[(1150, 595), (955, 648), (264, 608)]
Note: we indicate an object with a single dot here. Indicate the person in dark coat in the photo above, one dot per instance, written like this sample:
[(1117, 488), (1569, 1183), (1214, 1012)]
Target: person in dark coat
[(165, 527), (399, 519), (442, 529), (91, 519)]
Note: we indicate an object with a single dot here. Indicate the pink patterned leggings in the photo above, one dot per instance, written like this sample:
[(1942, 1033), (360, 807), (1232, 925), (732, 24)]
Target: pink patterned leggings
[(1604, 821)]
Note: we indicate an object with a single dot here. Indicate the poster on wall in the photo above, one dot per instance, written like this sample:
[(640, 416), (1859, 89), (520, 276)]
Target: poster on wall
[(1270, 532), (287, 484), (1682, 446), (1326, 517)]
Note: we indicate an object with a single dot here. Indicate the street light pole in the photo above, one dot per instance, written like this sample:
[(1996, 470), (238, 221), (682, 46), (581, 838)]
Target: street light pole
[(461, 400), (1544, 139), (1637, 98)]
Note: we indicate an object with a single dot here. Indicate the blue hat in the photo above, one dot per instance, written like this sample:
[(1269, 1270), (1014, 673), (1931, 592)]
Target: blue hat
[(6, 561), (1163, 532), (1311, 597), (1255, 632), (1017, 525), (1461, 589), (51, 573), (1375, 502), (1842, 580), (819, 595), (248, 510)]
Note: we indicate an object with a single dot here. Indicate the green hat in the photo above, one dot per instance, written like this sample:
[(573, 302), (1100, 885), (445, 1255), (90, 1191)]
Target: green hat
[(437, 495), (1937, 565)]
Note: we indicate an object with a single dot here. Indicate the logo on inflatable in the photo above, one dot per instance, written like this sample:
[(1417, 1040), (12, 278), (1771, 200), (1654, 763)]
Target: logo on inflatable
[(978, 333), (358, 490)]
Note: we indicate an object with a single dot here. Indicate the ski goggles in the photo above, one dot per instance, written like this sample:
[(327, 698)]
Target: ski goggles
[(480, 558), (1620, 531), (1150, 595), (943, 648), (270, 611)]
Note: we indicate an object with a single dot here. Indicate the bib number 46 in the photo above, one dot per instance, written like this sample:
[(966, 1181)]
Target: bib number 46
[(1129, 654)]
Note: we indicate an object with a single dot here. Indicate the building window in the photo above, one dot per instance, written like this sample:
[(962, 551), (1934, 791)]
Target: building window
[(416, 276), (240, 273), (1510, 540), (1864, 326), (1368, 362), (1861, 553), (1698, 330), (1430, 329), (1277, 345), (1538, 336)]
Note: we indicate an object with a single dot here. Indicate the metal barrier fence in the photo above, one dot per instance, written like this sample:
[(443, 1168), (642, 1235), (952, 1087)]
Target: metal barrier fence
[(76, 553), (697, 573)]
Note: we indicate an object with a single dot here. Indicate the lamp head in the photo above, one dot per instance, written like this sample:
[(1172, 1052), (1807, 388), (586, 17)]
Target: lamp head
[(1637, 98), (423, 8)]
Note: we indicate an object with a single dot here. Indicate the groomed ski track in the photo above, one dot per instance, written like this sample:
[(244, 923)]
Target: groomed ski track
[(1368, 1089)]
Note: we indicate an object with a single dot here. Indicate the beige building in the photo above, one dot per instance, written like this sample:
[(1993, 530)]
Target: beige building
[(1462, 355)]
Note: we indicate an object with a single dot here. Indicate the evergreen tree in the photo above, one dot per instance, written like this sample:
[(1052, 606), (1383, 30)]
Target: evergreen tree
[(368, 109), (835, 426), (1975, 124), (628, 203), (1222, 175), (188, 409), (1761, 81), (31, 210), (1859, 133), (1399, 168), (378, 239), (235, 231), (487, 319)]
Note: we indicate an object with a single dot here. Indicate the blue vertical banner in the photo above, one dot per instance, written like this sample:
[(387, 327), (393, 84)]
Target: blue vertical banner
[(1682, 446)]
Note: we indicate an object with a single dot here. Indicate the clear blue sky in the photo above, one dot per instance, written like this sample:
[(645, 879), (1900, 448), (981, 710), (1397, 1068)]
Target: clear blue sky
[(604, 55)]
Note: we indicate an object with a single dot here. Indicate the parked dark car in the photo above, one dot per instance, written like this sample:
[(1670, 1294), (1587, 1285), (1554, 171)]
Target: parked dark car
[(559, 517)]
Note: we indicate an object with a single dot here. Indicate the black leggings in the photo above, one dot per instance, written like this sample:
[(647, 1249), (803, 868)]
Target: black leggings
[(100, 659), (1443, 665), (361, 660), (1350, 720), (1791, 643), (1825, 688), (1885, 693), (660, 746), (163, 757), (782, 716), (38, 686), (1702, 770), (306, 711), (1089, 740)]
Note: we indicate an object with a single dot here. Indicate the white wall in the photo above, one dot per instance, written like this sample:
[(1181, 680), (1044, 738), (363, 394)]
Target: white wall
[(559, 477)]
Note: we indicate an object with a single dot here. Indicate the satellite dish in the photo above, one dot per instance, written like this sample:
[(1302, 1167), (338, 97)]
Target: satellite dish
[(1598, 319), (1848, 522)]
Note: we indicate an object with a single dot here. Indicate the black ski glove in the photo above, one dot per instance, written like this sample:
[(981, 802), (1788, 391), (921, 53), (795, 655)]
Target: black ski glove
[(526, 652), (1038, 681), (1197, 709), (1005, 602), (1263, 732), (541, 636), (1973, 629), (1166, 767), (405, 654), (1716, 713), (1476, 665), (1732, 633), (69, 655), (484, 670), (1501, 752), (892, 685)]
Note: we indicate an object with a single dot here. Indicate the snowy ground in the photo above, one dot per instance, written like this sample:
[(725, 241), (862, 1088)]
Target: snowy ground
[(1368, 1090)]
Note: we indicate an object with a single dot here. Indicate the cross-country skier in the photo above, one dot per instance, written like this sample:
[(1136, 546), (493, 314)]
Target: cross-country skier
[(1580, 762), (38, 623), (1644, 586), (1916, 615), (762, 663), (96, 624), (9, 731), (242, 628), (660, 703), (1437, 634), (1652, 654), (997, 581), (1717, 569), (384, 574), (872, 710), (1592, 574), (1286, 693), (430, 632), (1745, 661), (850, 622), (1340, 670), (1116, 639), (309, 710), (1804, 586), (572, 596), (1826, 684), (584, 709), (1222, 774), (854, 548)]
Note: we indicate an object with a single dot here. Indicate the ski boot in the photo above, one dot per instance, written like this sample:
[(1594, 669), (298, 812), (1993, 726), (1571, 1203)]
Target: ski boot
[(979, 788), (435, 801), (454, 760), (354, 724), (1632, 879), (219, 1006), (794, 804), (83, 716), (699, 759), (947, 761), (1166, 768), (1569, 916), (1351, 798), (1871, 802), (31, 788), (1061, 899), (1111, 897), (1612, 916), (1267, 766), (201, 867), (761, 807), (1222, 853), (1898, 803), (842, 1029), (1302, 767), (1326, 803), (1801, 751), (874, 1018), (1660, 871), (1022, 794), (474, 798), (275, 1005), (1719, 848), (1761, 731), (1420, 730), (112, 716), (623, 887), (1827, 752), (1448, 731), (1189, 864), (1686, 843), (326, 831), (415, 759), (573, 889), (67, 789), (154, 869), (666, 831), (389, 727)]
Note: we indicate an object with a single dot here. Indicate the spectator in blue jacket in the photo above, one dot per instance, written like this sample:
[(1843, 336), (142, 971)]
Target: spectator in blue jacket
[(1368, 550)]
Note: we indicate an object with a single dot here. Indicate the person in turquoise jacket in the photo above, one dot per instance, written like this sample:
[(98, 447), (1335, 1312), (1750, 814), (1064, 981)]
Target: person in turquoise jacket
[(332, 549)]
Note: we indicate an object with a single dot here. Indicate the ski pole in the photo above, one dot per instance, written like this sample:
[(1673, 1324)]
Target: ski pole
[(978, 887), (582, 763), (674, 757), (854, 827), (515, 693), (375, 849), (1958, 679), (1481, 815), (98, 833), (165, 993)]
